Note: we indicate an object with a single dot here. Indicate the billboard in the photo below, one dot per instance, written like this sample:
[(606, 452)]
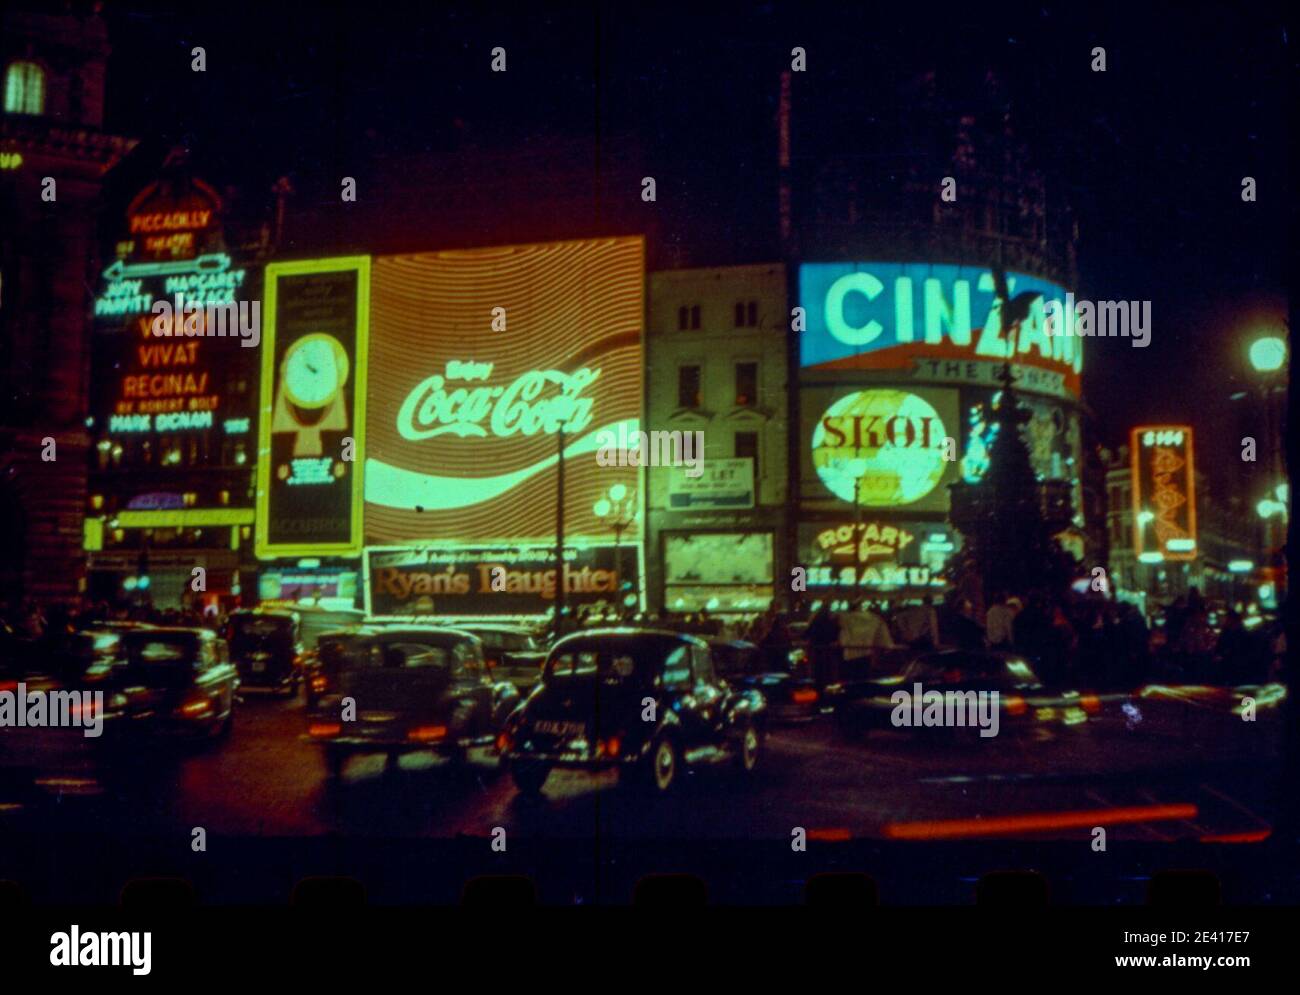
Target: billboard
[(492, 580), (938, 322), (880, 447), (311, 434), (1164, 493), (721, 483), (478, 360)]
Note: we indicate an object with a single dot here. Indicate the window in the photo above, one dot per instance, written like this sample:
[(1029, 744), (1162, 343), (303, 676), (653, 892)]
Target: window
[(695, 316), (740, 314), (24, 88), (746, 314), (677, 669), (702, 665), (688, 386), (746, 385), (683, 318), (747, 447)]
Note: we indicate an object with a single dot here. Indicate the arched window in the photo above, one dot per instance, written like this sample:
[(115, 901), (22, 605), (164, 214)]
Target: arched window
[(24, 88)]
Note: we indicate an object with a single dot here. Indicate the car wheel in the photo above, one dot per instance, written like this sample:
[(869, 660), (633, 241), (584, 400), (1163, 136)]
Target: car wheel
[(662, 764), (529, 777), (335, 758), (750, 749)]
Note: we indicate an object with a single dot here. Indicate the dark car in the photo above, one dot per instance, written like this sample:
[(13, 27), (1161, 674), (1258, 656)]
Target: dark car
[(1024, 703), (512, 653), (321, 665), (266, 648), (412, 688), (790, 693), (74, 756), (177, 682), (645, 702)]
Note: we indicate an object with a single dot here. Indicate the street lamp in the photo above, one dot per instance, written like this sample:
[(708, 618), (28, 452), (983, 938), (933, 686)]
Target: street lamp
[(617, 509), (1268, 357), (1268, 354)]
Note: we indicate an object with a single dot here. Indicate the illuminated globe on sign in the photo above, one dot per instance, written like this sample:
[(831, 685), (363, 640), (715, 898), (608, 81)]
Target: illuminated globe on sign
[(880, 448)]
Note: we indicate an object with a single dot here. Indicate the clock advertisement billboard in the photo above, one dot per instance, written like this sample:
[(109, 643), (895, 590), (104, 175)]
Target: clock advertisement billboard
[(311, 434)]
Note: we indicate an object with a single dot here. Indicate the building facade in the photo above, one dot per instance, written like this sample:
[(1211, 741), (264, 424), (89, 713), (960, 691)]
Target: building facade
[(717, 342), (53, 159), (169, 516)]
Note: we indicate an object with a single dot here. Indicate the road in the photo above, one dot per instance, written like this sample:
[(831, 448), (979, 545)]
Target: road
[(1179, 773)]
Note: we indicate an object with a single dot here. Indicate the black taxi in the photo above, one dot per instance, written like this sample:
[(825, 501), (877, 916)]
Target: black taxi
[(645, 701)]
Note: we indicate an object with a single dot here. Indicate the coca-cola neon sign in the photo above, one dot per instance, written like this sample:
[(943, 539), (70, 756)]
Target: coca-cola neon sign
[(536, 401)]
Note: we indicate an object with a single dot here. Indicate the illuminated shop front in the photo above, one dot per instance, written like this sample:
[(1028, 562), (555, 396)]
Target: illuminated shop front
[(172, 409), (898, 365), (486, 367)]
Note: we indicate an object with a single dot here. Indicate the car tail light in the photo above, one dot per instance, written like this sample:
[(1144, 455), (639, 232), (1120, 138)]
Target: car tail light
[(425, 734), (9, 686), (504, 741), (1016, 705), (804, 696), (1091, 704), (324, 730), (319, 684)]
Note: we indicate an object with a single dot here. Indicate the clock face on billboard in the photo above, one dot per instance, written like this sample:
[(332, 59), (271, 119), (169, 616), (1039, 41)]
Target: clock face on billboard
[(315, 368), (880, 448)]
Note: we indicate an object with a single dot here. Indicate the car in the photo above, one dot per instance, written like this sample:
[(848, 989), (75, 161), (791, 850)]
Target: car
[(512, 652), (321, 665), (64, 759), (178, 682), (266, 647), (411, 688), (1024, 703), (646, 702), (790, 693)]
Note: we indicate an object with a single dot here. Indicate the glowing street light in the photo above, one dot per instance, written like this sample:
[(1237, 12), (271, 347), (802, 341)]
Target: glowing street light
[(1268, 354)]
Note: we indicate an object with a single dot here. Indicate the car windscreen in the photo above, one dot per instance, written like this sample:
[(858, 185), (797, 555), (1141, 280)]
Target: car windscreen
[(408, 653), (262, 626), (162, 659), (624, 662), (983, 667), (507, 642)]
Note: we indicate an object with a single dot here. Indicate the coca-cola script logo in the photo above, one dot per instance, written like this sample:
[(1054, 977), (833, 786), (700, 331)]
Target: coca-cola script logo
[(537, 401)]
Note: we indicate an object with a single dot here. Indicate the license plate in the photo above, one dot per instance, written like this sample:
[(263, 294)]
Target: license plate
[(554, 728), (259, 666)]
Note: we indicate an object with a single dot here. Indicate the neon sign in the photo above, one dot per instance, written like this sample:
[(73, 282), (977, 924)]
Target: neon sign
[(883, 315), (880, 448), (1164, 492), (867, 541), (463, 443), (429, 410)]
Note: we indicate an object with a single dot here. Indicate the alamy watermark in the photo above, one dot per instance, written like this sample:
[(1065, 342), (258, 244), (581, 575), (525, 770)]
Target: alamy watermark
[(656, 448), (21, 709), (191, 318), (1099, 319), (919, 708)]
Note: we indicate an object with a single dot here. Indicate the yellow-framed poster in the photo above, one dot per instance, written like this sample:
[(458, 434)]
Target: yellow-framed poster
[(311, 431)]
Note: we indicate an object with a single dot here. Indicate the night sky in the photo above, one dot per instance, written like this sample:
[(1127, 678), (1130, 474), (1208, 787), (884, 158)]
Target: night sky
[(1151, 153)]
